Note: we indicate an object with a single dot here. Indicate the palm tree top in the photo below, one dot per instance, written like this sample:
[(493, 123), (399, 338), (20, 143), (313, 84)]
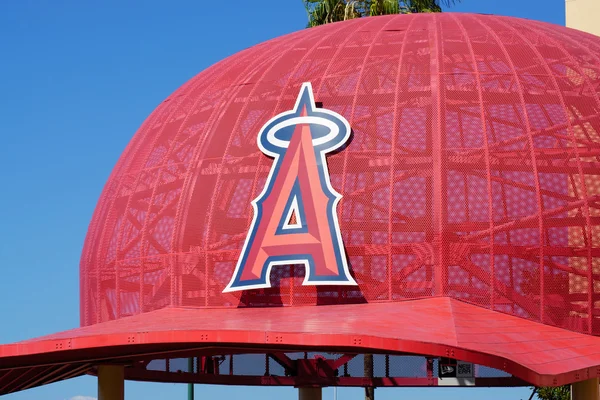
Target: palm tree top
[(322, 12)]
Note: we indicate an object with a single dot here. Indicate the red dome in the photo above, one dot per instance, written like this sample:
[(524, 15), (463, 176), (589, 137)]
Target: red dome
[(472, 173)]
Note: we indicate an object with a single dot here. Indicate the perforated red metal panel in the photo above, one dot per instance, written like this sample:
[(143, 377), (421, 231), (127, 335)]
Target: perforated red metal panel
[(473, 172)]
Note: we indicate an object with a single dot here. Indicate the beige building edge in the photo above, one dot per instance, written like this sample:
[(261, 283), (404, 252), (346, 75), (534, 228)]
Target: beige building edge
[(583, 15)]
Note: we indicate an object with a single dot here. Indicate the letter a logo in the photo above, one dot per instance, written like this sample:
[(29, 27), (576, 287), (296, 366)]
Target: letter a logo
[(295, 220)]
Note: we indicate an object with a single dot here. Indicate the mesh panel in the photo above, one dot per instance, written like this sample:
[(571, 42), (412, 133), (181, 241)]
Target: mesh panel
[(472, 172)]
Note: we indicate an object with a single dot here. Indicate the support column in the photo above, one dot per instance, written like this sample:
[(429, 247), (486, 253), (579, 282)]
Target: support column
[(111, 382), (191, 385), (368, 364), (308, 393), (586, 390)]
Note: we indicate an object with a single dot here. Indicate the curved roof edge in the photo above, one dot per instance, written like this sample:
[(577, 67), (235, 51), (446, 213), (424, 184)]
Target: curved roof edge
[(536, 353)]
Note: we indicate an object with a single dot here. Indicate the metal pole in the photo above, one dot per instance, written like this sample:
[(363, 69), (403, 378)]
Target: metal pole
[(368, 364), (111, 382), (585, 390), (310, 393), (191, 385)]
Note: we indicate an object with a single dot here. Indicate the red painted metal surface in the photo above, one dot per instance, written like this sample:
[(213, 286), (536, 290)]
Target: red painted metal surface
[(439, 327), (473, 174)]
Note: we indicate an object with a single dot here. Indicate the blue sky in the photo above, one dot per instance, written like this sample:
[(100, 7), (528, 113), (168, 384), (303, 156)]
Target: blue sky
[(77, 78)]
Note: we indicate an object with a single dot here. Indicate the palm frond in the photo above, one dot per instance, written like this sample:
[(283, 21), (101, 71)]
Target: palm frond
[(322, 12)]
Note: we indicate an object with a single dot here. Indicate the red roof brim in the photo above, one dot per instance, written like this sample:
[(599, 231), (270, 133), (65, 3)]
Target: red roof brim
[(540, 354)]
